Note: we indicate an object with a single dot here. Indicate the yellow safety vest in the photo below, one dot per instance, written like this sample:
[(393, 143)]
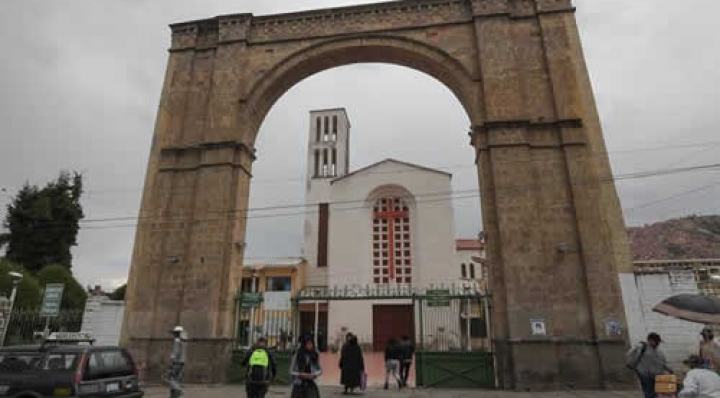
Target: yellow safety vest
[(259, 358)]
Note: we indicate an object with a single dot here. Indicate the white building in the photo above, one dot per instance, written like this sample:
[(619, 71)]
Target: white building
[(389, 224), (102, 319)]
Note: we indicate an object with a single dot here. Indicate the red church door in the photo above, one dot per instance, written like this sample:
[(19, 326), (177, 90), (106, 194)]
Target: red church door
[(391, 321)]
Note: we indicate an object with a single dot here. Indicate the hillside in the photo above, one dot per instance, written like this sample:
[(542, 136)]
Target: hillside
[(684, 238)]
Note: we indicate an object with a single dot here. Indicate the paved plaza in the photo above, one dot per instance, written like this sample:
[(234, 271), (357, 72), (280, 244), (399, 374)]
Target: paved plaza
[(277, 392)]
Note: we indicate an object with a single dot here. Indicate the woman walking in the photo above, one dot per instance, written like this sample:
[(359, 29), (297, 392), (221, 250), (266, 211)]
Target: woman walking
[(393, 355), (305, 369), (352, 365)]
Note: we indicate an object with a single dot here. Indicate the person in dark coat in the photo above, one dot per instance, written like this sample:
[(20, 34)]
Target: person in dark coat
[(408, 350), (352, 365)]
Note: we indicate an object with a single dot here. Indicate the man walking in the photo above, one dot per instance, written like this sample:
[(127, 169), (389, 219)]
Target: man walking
[(178, 363), (261, 369), (648, 361), (408, 350)]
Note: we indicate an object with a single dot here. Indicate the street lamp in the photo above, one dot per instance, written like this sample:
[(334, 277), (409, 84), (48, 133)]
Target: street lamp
[(16, 279)]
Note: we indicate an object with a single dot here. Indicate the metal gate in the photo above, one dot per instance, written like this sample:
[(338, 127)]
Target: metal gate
[(454, 349)]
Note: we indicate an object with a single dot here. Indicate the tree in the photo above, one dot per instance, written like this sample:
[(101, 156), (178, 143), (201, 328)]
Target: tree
[(43, 223), (28, 294), (119, 293), (74, 295)]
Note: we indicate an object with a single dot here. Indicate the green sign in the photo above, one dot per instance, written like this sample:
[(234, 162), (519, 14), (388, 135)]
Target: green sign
[(251, 299), (52, 299), (438, 298)]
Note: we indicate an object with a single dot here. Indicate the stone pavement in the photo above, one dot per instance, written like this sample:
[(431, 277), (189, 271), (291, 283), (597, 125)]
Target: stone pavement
[(277, 392)]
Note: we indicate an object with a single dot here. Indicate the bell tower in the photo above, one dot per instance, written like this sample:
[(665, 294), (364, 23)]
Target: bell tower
[(328, 158)]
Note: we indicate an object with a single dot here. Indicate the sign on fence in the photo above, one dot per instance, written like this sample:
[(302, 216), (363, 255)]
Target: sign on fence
[(251, 299), (52, 299), (438, 298)]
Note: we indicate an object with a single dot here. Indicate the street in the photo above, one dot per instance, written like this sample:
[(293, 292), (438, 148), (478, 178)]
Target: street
[(239, 391)]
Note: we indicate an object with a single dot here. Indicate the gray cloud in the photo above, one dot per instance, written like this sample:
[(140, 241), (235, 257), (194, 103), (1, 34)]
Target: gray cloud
[(81, 81)]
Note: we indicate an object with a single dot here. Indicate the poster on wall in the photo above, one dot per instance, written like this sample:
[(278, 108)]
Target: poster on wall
[(613, 328), (538, 327)]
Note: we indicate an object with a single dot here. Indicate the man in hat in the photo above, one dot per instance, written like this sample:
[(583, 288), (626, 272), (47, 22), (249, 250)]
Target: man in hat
[(699, 382), (178, 362), (648, 361), (261, 369)]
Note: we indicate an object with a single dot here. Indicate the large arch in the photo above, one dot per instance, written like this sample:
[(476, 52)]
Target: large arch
[(549, 214)]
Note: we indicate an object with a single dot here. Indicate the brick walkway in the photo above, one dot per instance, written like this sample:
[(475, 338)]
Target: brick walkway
[(277, 392)]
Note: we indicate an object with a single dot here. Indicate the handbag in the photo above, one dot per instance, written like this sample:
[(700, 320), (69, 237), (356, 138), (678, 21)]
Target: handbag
[(363, 381)]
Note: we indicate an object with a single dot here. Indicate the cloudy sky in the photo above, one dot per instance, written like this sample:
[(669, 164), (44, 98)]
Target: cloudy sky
[(80, 82)]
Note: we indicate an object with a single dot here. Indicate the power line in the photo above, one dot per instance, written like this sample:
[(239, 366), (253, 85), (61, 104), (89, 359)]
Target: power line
[(669, 198), (620, 177), (708, 145), (419, 198)]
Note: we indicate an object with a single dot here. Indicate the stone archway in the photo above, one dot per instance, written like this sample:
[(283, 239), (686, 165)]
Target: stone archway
[(555, 232)]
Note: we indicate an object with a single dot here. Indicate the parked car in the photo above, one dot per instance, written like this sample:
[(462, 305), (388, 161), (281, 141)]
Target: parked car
[(67, 370)]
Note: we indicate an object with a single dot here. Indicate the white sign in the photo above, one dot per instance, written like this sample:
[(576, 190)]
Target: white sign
[(277, 301), (538, 327)]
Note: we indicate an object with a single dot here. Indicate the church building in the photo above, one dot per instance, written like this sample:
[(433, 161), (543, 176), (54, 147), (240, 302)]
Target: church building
[(386, 225)]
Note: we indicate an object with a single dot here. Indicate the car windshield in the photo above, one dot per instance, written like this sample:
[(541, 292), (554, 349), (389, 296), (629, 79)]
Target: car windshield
[(18, 361)]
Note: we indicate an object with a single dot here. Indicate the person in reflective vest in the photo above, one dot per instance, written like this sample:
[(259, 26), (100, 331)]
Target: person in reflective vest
[(261, 369)]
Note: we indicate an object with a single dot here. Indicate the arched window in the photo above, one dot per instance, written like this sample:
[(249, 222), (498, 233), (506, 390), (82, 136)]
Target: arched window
[(472, 271), (464, 271), (392, 254)]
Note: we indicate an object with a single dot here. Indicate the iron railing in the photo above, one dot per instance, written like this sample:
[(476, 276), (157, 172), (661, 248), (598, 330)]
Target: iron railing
[(27, 327)]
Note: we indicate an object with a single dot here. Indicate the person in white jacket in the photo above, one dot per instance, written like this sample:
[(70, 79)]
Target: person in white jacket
[(699, 382)]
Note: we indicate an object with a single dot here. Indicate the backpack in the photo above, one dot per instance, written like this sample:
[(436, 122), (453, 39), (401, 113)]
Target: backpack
[(633, 365), (258, 366)]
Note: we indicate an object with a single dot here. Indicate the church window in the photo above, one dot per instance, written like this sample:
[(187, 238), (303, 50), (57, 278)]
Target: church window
[(325, 163), (318, 122), (334, 162), (472, 271), (393, 263), (464, 271), (323, 226), (327, 129), (334, 129), (317, 162)]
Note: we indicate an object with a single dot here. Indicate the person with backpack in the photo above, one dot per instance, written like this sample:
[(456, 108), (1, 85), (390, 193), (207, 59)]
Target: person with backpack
[(261, 369), (648, 361)]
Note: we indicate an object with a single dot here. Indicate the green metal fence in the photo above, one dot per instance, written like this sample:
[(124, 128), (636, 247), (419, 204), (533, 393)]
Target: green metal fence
[(26, 327)]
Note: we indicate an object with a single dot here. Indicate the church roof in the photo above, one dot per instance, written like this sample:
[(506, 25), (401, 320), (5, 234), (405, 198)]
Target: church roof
[(411, 165)]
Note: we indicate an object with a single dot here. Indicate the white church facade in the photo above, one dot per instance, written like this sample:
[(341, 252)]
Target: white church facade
[(386, 225)]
